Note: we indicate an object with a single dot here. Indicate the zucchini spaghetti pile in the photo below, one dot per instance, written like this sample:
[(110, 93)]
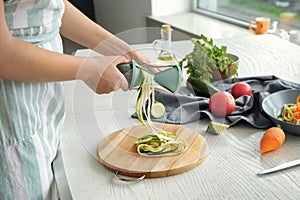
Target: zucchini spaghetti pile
[(291, 112), (158, 142)]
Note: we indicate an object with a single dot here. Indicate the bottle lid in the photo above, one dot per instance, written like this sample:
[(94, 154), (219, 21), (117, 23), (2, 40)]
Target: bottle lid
[(166, 29), (166, 26)]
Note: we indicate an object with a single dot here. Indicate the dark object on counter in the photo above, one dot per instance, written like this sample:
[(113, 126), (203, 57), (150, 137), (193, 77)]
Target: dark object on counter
[(85, 6), (187, 107)]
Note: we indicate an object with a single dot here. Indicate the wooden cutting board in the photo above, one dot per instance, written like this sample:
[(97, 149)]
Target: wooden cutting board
[(117, 152)]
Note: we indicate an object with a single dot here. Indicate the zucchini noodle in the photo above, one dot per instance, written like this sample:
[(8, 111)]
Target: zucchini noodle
[(158, 142), (291, 112)]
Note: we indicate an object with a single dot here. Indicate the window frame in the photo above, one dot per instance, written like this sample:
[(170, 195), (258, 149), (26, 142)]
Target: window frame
[(225, 18)]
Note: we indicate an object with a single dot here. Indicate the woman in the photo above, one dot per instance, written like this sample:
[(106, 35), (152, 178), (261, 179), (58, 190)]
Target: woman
[(31, 94)]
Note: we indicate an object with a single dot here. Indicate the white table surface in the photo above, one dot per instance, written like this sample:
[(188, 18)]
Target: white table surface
[(228, 172)]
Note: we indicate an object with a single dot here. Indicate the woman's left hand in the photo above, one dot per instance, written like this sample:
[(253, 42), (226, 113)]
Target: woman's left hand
[(140, 57)]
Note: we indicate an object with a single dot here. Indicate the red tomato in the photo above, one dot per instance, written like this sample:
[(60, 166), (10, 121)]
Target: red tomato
[(240, 89), (221, 104)]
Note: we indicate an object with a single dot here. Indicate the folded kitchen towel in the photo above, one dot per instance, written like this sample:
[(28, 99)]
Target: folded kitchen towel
[(186, 107)]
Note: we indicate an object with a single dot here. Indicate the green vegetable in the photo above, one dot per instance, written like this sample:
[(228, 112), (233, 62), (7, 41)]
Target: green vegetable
[(201, 87), (216, 127), (205, 57), (158, 110), (160, 144)]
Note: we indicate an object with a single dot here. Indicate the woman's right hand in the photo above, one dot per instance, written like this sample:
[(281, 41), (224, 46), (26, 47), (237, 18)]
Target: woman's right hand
[(102, 75)]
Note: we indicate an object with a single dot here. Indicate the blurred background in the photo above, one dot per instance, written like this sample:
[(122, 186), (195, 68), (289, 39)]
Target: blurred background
[(121, 15)]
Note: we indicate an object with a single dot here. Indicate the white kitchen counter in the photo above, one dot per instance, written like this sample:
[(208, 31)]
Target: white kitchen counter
[(228, 172)]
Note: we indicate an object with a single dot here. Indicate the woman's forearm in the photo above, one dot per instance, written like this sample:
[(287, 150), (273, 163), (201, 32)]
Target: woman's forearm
[(21, 61)]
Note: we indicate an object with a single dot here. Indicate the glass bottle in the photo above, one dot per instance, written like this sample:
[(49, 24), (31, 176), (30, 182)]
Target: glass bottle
[(166, 55)]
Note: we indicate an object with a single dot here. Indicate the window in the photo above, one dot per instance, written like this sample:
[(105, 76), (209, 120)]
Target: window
[(285, 12)]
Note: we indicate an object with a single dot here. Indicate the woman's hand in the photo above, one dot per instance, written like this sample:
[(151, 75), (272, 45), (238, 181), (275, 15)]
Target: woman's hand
[(141, 58), (138, 56), (102, 75)]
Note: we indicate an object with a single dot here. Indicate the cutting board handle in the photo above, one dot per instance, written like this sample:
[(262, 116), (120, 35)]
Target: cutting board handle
[(128, 179)]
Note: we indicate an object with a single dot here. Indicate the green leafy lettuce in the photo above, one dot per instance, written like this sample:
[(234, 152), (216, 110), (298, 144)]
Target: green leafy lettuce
[(206, 56)]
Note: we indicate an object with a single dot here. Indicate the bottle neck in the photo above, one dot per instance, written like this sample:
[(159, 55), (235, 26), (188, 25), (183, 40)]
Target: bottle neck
[(166, 40)]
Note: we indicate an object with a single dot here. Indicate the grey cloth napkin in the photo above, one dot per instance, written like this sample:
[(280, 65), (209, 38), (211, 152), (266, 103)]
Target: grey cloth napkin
[(186, 107)]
